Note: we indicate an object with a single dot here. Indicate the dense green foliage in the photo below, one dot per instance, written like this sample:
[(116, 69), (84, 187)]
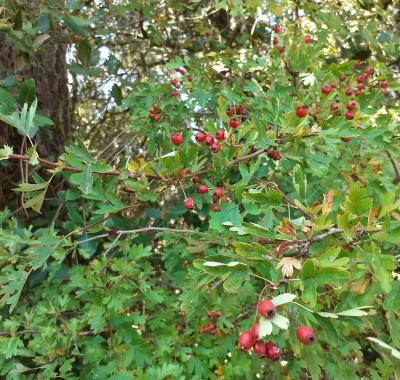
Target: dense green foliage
[(106, 275)]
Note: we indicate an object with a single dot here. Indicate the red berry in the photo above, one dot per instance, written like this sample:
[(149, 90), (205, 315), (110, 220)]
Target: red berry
[(277, 29), (351, 106), (177, 139), (218, 314), (348, 91), (178, 85), (273, 351), (245, 341), (357, 63), (200, 136), (357, 92), (234, 123), (342, 78), (281, 49), (384, 84), (335, 107), (216, 147), (346, 139), (360, 86), (273, 154), (151, 115), (173, 81), (260, 348), (209, 140), (361, 78), (196, 179), (269, 127), (182, 71), (174, 93), (202, 189), (218, 193), (188, 203), (230, 111), (326, 89), (369, 71), (301, 111), (156, 117), (267, 309), (275, 41), (308, 39), (182, 314), (254, 330), (349, 115), (216, 207), (333, 84), (210, 314), (305, 335), (190, 78), (156, 106), (239, 110), (220, 135)]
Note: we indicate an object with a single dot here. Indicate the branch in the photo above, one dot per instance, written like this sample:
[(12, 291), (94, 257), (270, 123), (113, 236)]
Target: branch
[(395, 166), (32, 331)]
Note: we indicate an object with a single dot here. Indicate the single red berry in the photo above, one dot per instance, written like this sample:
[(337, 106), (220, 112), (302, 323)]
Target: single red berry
[(239, 110), (216, 147), (157, 117), (174, 93), (245, 341), (230, 111), (151, 115), (218, 193), (177, 139), (361, 78), (190, 78), (260, 349), (216, 207), (301, 111), (202, 189), (267, 309), (196, 179), (209, 140), (369, 71), (173, 81), (305, 335), (351, 106), (220, 135), (269, 127), (182, 314), (335, 107), (218, 314), (210, 314), (360, 86), (346, 139), (182, 71), (200, 137), (333, 84), (342, 78), (227, 200), (153, 109), (349, 115), (275, 41), (348, 91), (273, 351), (326, 89), (384, 84), (357, 92), (277, 29), (188, 203), (281, 49), (308, 40), (234, 123), (254, 331)]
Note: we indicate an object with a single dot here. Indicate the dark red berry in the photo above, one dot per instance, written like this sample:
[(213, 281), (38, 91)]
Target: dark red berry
[(267, 309), (196, 179), (202, 189), (277, 29), (306, 335), (245, 341), (348, 91), (346, 139), (335, 107), (190, 78), (254, 331), (273, 351), (351, 106), (281, 49), (342, 78), (349, 115), (326, 89), (308, 39), (275, 41), (220, 135), (216, 147), (234, 123), (260, 349), (200, 136), (384, 84), (230, 111), (174, 93), (188, 203), (209, 140)]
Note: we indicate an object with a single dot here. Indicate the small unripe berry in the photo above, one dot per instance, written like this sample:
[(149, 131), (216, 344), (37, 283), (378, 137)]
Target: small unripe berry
[(349, 115), (260, 349), (188, 203), (202, 189), (200, 136), (267, 309), (305, 335), (234, 123), (177, 139), (220, 135), (245, 341), (273, 351), (215, 147)]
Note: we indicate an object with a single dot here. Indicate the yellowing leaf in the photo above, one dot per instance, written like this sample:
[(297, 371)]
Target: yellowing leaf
[(327, 205)]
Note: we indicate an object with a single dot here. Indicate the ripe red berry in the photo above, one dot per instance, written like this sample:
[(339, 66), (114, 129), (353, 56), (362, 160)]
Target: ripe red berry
[(301, 111), (281, 49), (188, 203), (305, 335), (209, 140), (273, 351), (156, 117), (308, 39), (277, 29), (351, 106), (326, 89), (384, 84), (156, 106), (260, 349), (239, 110), (254, 330), (333, 84), (275, 41), (202, 189), (151, 115), (342, 78), (360, 86), (200, 136), (369, 71), (220, 135), (349, 115), (267, 309), (190, 78), (173, 81), (346, 139), (234, 123), (230, 111), (245, 341), (357, 92), (196, 179), (174, 93), (182, 314), (216, 207), (216, 147), (274, 154), (218, 193), (348, 91), (335, 107), (177, 139), (361, 78)]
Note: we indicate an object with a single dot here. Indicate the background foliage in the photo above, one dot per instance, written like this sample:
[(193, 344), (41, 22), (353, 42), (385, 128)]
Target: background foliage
[(104, 273)]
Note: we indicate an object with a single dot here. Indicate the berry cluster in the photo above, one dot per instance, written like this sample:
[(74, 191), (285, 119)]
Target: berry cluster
[(274, 154), (236, 114), (210, 140), (155, 112), (211, 328), (218, 193), (176, 84), (251, 339)]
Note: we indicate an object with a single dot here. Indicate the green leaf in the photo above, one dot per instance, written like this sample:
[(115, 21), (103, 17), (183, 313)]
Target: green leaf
[(36, 202), (27, 187), (299, 182), (265, 327), (85, 52), (281, 321), (357, 312), (229, 213), (281, 299), (5, 152), (77, 25)]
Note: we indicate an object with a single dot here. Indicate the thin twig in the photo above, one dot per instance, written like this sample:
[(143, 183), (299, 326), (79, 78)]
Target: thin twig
[(395, 166)]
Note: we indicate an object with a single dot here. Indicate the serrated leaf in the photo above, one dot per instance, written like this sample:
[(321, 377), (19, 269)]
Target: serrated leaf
[(5, 152)]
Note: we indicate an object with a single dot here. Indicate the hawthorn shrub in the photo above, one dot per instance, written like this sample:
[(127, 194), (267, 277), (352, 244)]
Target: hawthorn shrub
[(254, 234)]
